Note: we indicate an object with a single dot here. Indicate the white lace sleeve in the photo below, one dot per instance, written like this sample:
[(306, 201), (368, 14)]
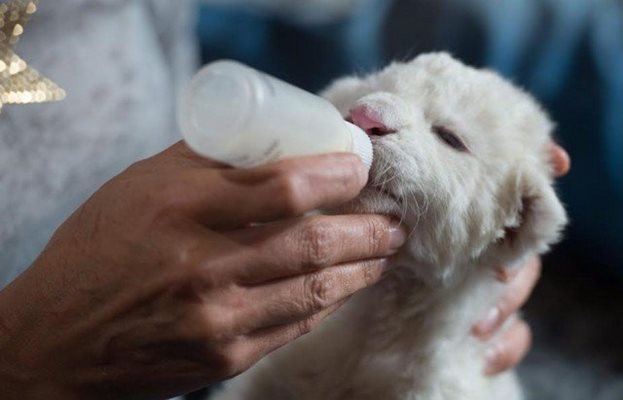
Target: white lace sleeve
[(119, 77)]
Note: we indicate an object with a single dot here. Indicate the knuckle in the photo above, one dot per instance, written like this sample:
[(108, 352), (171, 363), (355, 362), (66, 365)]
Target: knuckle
[(378, 238), (171, 196), (220, 350), (514, 346), (201, 272), (167, 200), (504, 360), (213, 325), (230, 359), (307, 325), (317, 292), (289, 192), (507, 305), (182, 255), (504, 274), (317, 242), (196, 273)]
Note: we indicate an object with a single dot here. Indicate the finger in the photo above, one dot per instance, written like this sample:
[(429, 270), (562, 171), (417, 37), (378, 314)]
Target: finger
[(560, 160), (294, 247), (517, 293), (295, 299), (264, 341), (507, 275), (227, 198), (509, 350)]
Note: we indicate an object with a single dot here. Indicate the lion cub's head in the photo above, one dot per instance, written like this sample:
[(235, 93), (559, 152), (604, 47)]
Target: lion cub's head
[(461, 156)]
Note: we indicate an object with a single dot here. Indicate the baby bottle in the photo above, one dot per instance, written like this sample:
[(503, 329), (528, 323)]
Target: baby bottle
[(237, 115)]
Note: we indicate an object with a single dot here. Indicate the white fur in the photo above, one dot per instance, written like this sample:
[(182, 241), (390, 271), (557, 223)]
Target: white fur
[(408, 337)]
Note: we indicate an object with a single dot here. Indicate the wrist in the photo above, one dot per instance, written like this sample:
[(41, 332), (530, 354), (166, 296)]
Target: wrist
[(27, 388), (20, 381), (20, 376)]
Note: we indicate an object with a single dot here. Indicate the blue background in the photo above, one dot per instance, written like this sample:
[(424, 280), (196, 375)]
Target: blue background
[(567, 52)]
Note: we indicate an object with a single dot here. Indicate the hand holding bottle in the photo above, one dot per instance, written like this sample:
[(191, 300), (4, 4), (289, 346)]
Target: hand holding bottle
[(158, 284)]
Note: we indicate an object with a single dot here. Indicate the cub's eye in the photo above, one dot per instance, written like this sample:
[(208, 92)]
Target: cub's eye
[(450, 138)]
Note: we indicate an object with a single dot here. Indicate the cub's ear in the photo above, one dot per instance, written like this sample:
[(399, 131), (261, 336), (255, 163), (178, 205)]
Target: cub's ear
[(534, 221), (344, 92)]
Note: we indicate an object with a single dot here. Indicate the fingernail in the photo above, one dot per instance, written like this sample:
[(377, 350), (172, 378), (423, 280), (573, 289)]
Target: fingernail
[(398, 235), (492, 356), (486, 325)]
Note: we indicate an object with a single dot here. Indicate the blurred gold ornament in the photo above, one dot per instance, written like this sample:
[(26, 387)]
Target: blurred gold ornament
[(19, 83)]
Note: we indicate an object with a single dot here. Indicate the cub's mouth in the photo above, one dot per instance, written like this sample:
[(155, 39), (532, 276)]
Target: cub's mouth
[(382, 187), (379, 195), (380, 172)]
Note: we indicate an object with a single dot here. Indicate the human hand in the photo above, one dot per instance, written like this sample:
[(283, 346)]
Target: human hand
[(512, 346), (162, 282)]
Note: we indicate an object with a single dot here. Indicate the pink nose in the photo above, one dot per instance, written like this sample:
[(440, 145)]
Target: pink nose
[(369, 121)]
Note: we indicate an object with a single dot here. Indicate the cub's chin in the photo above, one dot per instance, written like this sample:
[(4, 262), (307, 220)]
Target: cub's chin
[(372, 201)]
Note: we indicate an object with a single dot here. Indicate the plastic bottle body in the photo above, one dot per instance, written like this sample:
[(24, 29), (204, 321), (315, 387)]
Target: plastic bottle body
[(237, 115)]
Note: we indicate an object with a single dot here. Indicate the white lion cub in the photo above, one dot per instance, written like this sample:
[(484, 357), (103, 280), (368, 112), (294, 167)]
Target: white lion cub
[(461, 156)]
